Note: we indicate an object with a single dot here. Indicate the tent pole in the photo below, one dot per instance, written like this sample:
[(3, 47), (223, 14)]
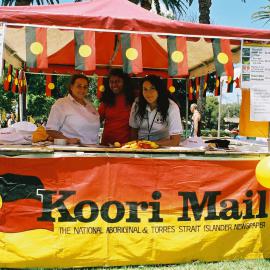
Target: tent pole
[(219, 109), (186, 131)]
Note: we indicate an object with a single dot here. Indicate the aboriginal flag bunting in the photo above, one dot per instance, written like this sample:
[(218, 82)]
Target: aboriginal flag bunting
[(190, 90), (217, 86), (131, 53), (222, 57), (85, 50), (100, 87), (177, 56), (230, 83), (50, 85), (15, 84), (36, 47), (7, 81)]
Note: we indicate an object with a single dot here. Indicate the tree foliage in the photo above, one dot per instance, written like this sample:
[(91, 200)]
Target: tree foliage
[(263, 14)]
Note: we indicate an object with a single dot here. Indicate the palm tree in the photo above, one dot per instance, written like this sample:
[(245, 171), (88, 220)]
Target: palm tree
[(263, 14)]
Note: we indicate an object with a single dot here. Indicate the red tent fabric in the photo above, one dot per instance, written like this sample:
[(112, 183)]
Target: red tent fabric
[(119, 15)]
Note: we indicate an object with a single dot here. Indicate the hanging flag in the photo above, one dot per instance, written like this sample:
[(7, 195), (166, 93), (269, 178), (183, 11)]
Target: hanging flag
[(131, 53), (223, 57), (197, 83), (15, 84), (217, 87), (50, 85), (230, 84), (85, 50), (237, 83), (22, 84), (205, 78), (170, 85), (177, 56), (100, 87), (190, 90), (36, 47), (7, 81)]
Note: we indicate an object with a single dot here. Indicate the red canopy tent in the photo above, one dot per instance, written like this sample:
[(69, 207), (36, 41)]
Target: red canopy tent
[(108, 17)]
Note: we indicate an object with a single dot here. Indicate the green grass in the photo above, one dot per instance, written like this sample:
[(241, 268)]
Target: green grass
[(260, 264)]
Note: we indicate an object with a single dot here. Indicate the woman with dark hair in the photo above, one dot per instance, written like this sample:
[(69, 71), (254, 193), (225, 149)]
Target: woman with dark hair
[(154, 116), (73, 117), (115, 108)]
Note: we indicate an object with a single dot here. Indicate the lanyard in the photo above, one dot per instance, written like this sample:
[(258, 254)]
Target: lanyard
[(149, 127)]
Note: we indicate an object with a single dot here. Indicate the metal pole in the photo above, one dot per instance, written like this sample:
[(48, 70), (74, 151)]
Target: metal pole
[(219, 109), (187, 108)]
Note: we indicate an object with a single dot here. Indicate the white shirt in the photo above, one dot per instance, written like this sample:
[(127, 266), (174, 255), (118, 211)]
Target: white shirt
[(151, 126), (75, 120)]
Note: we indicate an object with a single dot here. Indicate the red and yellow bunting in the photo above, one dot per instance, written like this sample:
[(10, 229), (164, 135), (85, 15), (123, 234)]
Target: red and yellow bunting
[(217, 86), (223, 57), (177, 56), (15, 84), (36, 47), (8, 78), (85, 50), (100, 87), (50, 85), (131, 53)]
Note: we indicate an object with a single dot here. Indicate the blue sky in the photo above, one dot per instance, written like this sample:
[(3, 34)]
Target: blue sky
[(234, 12)]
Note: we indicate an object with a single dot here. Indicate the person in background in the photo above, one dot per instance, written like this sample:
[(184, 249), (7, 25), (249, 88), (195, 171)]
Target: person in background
[(73, 117), (196, 121), (154, 116), (11, 120), (115, 107)]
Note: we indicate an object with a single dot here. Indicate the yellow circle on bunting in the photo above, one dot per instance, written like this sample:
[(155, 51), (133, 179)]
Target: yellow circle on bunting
[(36, 48), (16, 81), (172, 89), (1, 202), (51, 86), (85, 50), (101, 88), (217, 83), (263, 172), (131, 54), (177, 56), (9, 78), (223, 58)]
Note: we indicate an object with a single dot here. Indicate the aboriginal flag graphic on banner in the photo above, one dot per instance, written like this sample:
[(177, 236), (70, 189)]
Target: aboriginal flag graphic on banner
[(36, 47), (20, 204), (85, 50), (223, 57), (177, 56), (131, 53)]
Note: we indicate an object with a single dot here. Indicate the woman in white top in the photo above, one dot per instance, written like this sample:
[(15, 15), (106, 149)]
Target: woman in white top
[(73, 117), (154, 116)]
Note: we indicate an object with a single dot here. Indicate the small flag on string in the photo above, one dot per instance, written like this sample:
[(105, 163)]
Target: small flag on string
[(237, 83), (15, 84), (230, 84), (170, 85), (36, 47), (217, 86), (177, 56), (205, 78), (197, 84), (22, 82), (85, 50), (100, 87), (50, 85), (223, 57), (131, 53), (7, 81), (190, 90)]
